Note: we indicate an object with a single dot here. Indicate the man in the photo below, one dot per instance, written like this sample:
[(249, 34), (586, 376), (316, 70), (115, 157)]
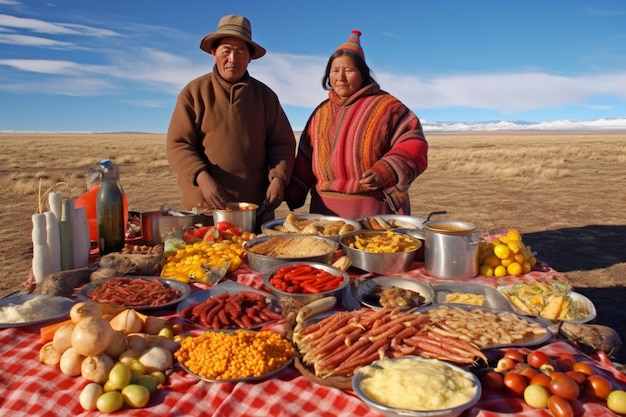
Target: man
[(229, 138)]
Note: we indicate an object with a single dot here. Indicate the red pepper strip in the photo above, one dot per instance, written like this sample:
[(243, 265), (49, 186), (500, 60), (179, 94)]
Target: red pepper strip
[(302, 278), (294, 288), (289, 268), (305, 269), (331, 285), (309, 289), (326, 279)]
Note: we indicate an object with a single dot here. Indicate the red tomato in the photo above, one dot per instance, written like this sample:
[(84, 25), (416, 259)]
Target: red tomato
[(541, 379), (598, 386), (564, 386), (199, 232), (565, 361), (583, 367), (537, 358), (492, 380), (514, 354), (224, 226), (579, 377), (560, 407), (515, 384), (527, 371)]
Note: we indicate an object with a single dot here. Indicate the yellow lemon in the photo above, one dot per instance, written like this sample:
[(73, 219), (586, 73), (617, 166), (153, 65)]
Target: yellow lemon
[(515, 246), (532, 261), (492, 261), (507, 261), (499, 271), (526, 267), (514, 269), (502, 251), (520, 258), (486, 270), (514, 235)]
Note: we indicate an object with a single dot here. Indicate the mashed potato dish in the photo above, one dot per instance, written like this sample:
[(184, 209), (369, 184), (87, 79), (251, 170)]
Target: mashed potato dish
[(413, 384)]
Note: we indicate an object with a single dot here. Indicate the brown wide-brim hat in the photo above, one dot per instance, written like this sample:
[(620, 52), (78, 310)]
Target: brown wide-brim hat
[(233, 26)]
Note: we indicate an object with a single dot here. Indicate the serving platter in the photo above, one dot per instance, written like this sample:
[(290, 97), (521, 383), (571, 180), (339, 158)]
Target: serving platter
[(226, 287), (365, 291), (270, 227), (396, 221), (62, 310), (182, 288), (574, 297), (493, 299), (532, 339)]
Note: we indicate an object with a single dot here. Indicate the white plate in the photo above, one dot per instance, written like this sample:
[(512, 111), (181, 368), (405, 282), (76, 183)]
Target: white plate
[(397, 221), (493, 299), (230, 288), (576, 297), (269, 227), (528, 340), (365, 291), (62, 312), (180, 286)]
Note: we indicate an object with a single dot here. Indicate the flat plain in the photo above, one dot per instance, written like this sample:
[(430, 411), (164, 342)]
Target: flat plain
[(564, 191)]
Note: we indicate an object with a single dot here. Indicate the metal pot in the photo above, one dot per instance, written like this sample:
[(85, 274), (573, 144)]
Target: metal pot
[(157, 226), (451, 249), (242, 215)]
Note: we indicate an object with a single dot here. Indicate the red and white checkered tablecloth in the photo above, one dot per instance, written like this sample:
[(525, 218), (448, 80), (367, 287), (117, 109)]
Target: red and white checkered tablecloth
[(30, 388)]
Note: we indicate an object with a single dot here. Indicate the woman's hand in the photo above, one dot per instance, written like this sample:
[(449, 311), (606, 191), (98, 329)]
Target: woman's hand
[(213, 193), (369, 180)]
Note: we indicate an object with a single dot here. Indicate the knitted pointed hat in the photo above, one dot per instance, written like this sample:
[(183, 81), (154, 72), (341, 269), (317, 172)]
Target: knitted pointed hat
[(353, 43)]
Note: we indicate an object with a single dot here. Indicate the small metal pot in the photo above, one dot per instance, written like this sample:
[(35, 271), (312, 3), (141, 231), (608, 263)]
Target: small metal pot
[(242, 215), (157, 226), (451, 249)]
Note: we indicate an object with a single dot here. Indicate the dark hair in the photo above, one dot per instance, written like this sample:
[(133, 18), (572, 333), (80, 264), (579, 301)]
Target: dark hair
[(359, 61)]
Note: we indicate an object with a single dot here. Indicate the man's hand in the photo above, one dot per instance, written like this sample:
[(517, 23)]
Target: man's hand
[(213, 193), (273, 196)]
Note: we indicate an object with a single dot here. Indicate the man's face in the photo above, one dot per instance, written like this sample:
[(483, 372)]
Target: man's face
[(232, 57)]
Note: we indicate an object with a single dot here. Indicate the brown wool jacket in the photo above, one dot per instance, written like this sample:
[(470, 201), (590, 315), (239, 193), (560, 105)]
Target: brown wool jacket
[(238, 132)]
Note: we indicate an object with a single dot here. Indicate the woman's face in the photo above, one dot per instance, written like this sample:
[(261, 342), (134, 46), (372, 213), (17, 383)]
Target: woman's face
[(345, 78), (232, 57)]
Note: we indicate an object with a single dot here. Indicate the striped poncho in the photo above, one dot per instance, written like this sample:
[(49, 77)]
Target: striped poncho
[(343, 139)]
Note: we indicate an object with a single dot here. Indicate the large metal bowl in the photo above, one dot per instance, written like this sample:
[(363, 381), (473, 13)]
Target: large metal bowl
[(270, 227), (303, 298), (264, 263), (379, 263), (157, 226), (417, 363)]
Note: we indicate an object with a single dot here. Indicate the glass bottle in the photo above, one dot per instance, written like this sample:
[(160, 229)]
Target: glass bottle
[(110, 210)]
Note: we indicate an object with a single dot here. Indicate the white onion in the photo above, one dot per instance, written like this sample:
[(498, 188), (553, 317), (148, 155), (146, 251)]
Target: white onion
[(91, 336)]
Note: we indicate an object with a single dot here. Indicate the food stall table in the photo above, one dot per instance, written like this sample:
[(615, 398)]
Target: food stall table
[(31, 388)]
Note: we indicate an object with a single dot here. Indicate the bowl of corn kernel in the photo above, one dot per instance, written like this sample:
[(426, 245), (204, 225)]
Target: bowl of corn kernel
[(380, 251)]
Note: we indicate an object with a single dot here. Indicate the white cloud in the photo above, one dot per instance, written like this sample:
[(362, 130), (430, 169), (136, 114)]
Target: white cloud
[(46, 66), (41, 26), (26, 40)]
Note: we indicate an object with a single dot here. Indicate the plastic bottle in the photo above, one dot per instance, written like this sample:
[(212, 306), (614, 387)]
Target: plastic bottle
[(110, 210)]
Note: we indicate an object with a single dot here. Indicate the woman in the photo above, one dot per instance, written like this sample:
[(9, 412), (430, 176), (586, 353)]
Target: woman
[(361, 148)]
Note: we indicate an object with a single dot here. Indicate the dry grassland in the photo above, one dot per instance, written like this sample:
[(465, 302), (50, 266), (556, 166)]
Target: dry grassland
[(563, 191)]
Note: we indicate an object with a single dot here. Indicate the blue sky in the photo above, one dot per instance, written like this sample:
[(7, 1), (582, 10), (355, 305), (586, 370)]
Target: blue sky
[(81, 65)]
